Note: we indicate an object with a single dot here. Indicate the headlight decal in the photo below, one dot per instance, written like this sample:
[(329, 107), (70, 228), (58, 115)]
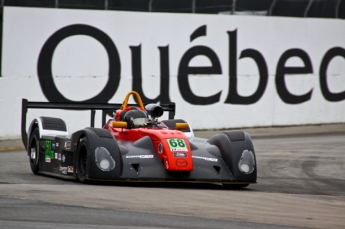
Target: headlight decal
[(104, 160), (247, 162)]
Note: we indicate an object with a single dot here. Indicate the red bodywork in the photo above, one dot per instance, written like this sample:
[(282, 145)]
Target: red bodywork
[(177, 158), (171, 146)]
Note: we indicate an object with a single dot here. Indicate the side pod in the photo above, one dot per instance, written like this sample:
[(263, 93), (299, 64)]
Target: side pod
[(238, 153), (97, 155)]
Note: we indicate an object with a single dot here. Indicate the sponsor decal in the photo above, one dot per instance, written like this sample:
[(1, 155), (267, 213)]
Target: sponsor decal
[(160, 148), (48, 160), (206, 158), (59, 157), (57, 144), (178, 149), (181, 163), (63, 170), (70, 169), (53, 145), (49, 153), (56, 155), (226, 58), (68, 145), (63, 159), (178, 154), (140, 156), (177, 144), (45, 76)]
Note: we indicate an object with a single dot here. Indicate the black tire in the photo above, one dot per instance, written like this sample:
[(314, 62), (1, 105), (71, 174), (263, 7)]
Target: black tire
[(33, 151), (82, 161), (235, 186)]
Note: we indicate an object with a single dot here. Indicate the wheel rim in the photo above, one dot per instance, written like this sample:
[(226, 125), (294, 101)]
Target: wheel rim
[(33, 152)]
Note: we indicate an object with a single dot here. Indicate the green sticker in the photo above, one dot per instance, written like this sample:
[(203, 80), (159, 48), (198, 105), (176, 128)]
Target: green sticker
[(177, 144), (49, 152)]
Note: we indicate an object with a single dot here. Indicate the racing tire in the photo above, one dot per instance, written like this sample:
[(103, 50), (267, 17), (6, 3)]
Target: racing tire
[(235, 186), (82, 161), (33, 151)]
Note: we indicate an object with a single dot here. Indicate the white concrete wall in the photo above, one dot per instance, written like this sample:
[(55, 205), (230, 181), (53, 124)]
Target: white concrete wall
[(80, 65)]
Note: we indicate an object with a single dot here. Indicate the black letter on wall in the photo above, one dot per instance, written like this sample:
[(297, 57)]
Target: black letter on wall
[(44, 66), (233, 96), (163, 97), (184, 70), (282, 90), (332, 97)]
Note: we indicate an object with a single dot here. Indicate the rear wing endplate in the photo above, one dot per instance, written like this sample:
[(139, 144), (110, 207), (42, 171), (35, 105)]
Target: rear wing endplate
[(104, 107)]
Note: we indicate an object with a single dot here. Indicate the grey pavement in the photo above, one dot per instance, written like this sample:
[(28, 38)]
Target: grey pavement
[(281, 130), (16, 144)]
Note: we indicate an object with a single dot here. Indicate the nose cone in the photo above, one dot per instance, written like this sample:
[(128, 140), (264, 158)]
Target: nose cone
[(178, 155)]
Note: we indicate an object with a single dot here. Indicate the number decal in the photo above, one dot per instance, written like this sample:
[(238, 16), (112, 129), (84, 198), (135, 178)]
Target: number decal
[(177, 144), (181, 143), (172, 142)]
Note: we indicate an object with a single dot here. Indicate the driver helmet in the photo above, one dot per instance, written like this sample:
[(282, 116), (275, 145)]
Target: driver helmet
[(135, 118)]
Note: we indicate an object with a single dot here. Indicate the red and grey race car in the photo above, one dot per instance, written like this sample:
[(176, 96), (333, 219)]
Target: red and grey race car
[(135, 146)]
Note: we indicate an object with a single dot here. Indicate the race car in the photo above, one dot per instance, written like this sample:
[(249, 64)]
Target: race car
[(135, 146)]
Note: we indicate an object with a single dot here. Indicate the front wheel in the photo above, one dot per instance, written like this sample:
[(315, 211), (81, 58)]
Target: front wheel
[(82, 160), (235, 186), (34, 151)]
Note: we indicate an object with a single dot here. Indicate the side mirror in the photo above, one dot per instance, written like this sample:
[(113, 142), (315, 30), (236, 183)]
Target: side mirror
[(181, 126), (119, 124)]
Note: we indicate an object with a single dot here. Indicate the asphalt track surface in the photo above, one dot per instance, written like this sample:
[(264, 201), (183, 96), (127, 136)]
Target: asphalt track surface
[(301, 185)]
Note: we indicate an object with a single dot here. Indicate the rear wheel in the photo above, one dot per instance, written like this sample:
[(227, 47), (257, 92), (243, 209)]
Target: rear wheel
[(82, 160), (34, 151)]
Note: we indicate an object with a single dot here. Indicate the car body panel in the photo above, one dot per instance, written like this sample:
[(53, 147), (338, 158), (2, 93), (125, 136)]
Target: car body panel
[(155, 152)]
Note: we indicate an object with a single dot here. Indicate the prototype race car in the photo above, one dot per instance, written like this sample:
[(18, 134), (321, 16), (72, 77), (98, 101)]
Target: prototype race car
[(136, 146)]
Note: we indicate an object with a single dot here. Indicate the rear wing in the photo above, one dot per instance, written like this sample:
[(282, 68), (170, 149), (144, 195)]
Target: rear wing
[(104, 107)]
